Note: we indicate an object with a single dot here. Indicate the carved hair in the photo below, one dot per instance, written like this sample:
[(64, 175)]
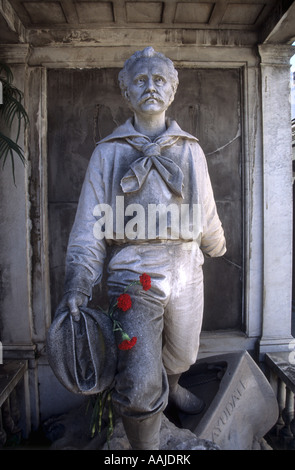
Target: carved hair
[(148, 52)]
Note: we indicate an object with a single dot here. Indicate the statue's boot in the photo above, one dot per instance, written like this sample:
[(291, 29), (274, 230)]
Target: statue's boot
[(143, 434), (182, 398)]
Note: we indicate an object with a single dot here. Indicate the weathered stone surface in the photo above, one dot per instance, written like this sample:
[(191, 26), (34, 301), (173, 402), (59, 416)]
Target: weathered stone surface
[(171, 438), (244, 408), (241, 409), (72, 431)]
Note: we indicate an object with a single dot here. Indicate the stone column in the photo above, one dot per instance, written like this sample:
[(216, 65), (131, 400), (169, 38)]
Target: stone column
[(15, 276), (16, 314), (25, 312), (36, 95), (277, 197)]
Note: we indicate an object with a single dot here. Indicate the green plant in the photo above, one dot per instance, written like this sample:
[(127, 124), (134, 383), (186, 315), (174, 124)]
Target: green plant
[(11, 110)]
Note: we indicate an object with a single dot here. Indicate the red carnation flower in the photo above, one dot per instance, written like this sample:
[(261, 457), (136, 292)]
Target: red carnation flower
[(127, 344), (145, 281), (124, 302)]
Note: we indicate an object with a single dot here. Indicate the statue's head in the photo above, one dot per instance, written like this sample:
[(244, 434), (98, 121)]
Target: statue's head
[(146, 73)]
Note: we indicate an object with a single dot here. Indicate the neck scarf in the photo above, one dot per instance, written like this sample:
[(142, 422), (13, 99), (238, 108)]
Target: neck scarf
[(151, 156)]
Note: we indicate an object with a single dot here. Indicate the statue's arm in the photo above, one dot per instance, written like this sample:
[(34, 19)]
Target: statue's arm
[(213, 241), (85, 253)]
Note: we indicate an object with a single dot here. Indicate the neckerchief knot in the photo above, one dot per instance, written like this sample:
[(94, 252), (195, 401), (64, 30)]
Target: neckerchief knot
[(151, 156), (151, 149)]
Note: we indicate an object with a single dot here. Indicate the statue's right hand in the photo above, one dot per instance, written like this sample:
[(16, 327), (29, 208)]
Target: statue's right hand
[(72, 301)]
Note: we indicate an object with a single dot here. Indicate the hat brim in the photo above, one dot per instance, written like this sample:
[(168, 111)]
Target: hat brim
[(82, 354)]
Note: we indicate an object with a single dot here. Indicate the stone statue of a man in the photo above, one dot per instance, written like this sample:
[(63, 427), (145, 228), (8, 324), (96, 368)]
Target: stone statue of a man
[(154, 177)]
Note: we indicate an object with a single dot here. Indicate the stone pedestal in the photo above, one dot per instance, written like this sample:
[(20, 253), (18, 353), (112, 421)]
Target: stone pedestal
[(241, 408)]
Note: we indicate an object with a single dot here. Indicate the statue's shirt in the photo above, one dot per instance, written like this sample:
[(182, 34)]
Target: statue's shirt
[(139, 191)]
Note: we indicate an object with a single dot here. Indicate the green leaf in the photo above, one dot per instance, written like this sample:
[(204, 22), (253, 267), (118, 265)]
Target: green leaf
[(7, 148), (10, 111), (6, 70), (12, 108)]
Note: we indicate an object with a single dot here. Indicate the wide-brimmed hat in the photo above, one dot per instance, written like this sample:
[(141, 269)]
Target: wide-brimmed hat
[(83, 353)]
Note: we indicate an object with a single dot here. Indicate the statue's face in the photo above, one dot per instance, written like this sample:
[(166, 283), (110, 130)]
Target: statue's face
[(149, 86)]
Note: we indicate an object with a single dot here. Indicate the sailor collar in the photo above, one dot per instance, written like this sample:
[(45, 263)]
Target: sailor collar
[(127, 130)]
